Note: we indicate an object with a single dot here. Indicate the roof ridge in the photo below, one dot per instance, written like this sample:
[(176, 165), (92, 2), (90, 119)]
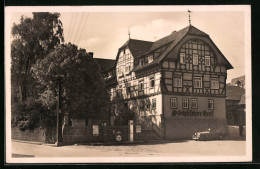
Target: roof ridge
[(141, 40)]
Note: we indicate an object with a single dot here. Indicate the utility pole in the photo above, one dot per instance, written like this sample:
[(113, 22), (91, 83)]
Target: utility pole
[(59, 139)]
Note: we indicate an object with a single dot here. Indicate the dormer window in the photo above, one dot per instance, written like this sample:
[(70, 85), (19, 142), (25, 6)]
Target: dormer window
[(141, 62), (150, 58), (182, 58)]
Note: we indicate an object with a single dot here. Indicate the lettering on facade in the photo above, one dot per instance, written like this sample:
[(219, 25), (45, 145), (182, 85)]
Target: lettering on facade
[(192, 113)]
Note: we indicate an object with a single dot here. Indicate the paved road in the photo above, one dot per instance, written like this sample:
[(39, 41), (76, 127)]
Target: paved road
[(186, 148)]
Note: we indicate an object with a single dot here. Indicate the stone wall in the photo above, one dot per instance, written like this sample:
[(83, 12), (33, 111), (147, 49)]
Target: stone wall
[(182, 129), (36, 135)]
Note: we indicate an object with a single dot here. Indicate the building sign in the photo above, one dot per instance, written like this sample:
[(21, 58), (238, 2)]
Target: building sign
[(95, 130), (138, 129), (192, 113)]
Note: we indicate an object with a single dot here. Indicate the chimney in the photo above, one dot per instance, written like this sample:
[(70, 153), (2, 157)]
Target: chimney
[(91, 54)]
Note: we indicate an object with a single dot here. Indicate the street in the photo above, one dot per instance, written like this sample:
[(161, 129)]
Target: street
[(174, 148)]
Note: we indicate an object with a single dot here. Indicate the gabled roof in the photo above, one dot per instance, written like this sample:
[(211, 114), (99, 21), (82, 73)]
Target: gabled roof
[(105, 64), (234, 92), (137, 47), (140, 48)]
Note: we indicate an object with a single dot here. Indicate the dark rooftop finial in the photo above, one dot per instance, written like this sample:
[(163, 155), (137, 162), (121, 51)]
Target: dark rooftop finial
[(128, 33), (189, 17)]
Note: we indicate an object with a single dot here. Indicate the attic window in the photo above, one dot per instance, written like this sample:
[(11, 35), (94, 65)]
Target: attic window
[(207, 60), (182, 58), (150, 58), (141, 62)]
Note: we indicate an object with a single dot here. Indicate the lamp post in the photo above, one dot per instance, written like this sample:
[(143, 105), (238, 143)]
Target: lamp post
[(59, 139)]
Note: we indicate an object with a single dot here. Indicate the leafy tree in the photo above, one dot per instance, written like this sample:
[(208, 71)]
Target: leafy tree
[(33, 39), (84, 94), (121, 111)]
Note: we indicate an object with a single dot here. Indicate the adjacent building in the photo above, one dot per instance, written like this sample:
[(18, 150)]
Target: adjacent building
[(176, 85)]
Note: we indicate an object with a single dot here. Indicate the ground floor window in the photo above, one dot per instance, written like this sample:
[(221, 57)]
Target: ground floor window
[(173, 101), (194, 103), (154, 103), (185, 103), (210, 104)]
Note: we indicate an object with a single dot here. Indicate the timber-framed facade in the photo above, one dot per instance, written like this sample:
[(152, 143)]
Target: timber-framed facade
[(176, 85)]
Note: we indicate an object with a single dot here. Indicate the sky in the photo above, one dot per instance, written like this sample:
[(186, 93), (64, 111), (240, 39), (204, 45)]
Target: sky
[(104, 32)]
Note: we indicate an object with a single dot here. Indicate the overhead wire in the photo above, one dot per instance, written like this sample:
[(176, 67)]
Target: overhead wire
[(70, 25), (85, 21), (74, 27), (78, 30)]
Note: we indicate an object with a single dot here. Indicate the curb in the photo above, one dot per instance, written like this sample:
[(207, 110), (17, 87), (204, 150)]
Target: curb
[(32, 142)]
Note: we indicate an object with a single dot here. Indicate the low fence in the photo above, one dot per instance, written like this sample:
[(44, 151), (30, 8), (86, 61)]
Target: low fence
[(73, 135), (36, 135)]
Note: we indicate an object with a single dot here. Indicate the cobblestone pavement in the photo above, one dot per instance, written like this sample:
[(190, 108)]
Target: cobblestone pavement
[(184, 148)]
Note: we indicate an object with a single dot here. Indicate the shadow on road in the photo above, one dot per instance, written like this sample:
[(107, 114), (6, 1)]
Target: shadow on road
[(21, 155)]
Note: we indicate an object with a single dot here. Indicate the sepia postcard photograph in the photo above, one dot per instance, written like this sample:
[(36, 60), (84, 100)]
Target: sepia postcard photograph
[(128, 84)]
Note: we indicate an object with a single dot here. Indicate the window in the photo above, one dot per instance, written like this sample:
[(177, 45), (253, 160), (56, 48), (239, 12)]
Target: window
[(150, 58), (214, 83), (141, 62), (211, 104), (173, 103), (127, 68), (148, 104), (197, 82), (195, 59), (185, 103), (154, 103), (128, 88), (151, 82), (194, 103), (141, 85), (207, 60), (182, 58), (177, 81)]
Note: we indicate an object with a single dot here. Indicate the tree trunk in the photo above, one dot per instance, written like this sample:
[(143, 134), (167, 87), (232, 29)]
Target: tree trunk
[(24, 92)]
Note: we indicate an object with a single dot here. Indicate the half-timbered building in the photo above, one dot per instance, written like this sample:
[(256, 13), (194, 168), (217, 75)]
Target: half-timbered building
[(176, 85)]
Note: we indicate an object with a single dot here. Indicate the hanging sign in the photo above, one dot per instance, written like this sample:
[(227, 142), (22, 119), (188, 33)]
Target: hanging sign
[(138, 129), (95, 130)]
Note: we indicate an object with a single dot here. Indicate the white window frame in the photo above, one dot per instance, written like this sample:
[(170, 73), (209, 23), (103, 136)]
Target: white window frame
[(177, 81), (173, 102), (194, 103), (141, 85), (127, 67), (150, 82), (214, 83), (182, 58), (207, 60), (210, 104), (141, 63), (150, 58), (195, 59), (199, 79), (185, 103)]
